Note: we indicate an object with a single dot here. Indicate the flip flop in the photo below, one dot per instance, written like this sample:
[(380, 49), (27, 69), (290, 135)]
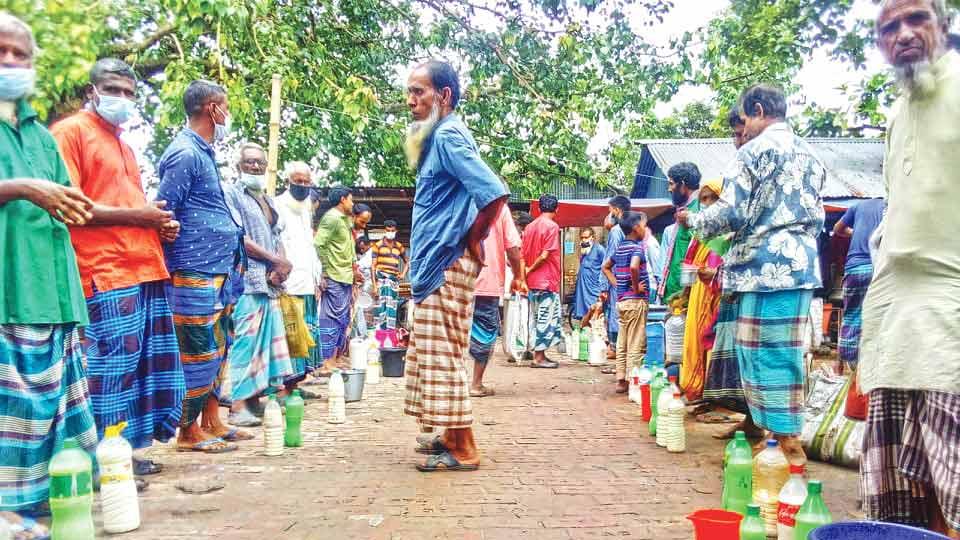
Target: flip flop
[(432, 448), (483, 392), (444, 462), (244, 418), (207, 447), (608, 371), (234, 435), (549, 364), (146, 467)]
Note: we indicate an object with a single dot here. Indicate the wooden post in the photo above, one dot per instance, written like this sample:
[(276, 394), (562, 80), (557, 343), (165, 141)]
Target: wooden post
[(273, 148)]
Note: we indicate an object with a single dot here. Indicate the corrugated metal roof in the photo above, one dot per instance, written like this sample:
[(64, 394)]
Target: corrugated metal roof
[(854, 166), (582, 189)]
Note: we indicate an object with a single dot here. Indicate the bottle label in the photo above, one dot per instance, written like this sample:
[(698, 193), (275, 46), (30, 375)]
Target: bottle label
[(116, 472), (787, 514)]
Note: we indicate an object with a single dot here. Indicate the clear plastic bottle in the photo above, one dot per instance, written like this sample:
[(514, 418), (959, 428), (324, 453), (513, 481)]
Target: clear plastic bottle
[(656, 388), (738, 475), (770, 472), (752, 526), (71, 493), (792, 496), (273, 428), (814, 512), (574, 351), (336, 406), (373, 365), (634, 391), (673, 329), (118, 491), (585, 345), (676, 435), (665, 396)]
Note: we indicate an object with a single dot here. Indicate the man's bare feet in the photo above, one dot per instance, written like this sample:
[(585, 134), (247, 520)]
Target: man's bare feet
[(792, 449)]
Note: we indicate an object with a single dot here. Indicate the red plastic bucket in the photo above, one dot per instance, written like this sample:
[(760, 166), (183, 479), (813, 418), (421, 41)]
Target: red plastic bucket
[(713, 524)]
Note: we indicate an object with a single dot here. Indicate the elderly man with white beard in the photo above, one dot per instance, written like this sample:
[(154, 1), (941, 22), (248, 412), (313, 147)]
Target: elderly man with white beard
[(458, 197), (910, 345)]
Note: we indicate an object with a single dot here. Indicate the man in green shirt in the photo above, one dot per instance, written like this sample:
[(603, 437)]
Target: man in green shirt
[(683, 181), (337, 251), (41, 300)]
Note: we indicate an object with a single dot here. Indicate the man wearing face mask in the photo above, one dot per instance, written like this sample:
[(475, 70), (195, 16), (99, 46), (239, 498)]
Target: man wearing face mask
[(589, 286), (205, 262), (389, 268), (41, 361), (122, 270)]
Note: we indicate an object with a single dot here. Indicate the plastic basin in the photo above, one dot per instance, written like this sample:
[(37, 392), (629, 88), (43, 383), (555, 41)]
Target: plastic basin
[(715, 524), (353, 380), (871, 530), (392, 361)]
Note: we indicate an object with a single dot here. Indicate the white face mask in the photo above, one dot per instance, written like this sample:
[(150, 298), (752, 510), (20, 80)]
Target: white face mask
[(113, 109), (390, 235), (255, 182)]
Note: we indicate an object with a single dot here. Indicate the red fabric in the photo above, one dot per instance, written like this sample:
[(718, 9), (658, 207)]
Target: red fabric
[(591, 213), (543, 235), (857, 402)]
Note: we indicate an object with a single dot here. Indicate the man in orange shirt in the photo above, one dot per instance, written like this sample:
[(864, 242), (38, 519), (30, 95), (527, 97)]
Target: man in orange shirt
[(133, 359)]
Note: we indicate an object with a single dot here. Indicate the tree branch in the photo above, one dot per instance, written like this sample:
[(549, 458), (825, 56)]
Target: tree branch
[(123, 49)]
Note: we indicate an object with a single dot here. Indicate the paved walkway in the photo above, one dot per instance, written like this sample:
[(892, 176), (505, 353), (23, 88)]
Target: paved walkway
[(564, 458)]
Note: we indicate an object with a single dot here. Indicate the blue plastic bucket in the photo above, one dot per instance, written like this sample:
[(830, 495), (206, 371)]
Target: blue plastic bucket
[(656, 344), (871, 530)]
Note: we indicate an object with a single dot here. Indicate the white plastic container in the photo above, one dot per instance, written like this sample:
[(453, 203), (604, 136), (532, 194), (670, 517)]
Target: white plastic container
[(676, 433), (336, 406), (118, 491), (791, 498), (598, 352), (359, 347), (633, 392), (273, 428), (663, 401), (673, 329), (373, 364)]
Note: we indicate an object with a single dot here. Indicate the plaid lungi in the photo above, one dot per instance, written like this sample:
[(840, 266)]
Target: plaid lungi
[(201, 317), (259, 357), (437, 388), (723, 384), (133, 363), (485, 327), (44, 402), (545, 319), (388, 287), (911, 446), (855, 284), (334, 318), (769, 345)]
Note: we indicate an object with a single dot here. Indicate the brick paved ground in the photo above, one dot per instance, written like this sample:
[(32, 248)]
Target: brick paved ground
[(564, 458)]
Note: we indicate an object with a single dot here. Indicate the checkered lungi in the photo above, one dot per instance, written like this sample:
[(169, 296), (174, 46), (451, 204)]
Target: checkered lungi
[(723, 384), (259, 357), (855, 284), (388, 291), (546, 316), (911, 447), (485, 328), (437, 388)]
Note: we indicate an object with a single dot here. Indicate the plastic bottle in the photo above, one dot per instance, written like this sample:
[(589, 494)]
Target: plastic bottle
[(659, 382), (752, 526), (665, 396), (676, 434), (336, 406), (598, 351), (673, 329), (633, 393), (792, 496), (584, 344), (738, 475), (118, 491), (5, 532), (646, 410), (71, 493), (770, 472), (813, 513), (293, 417), (574, 351), (273, 428), (373, 365)]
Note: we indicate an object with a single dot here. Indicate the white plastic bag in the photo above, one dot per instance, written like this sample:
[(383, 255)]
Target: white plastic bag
[(516, 336), (828, 435)]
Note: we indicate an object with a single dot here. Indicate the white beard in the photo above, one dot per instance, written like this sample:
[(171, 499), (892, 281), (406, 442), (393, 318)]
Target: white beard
[(917, 78), (417, 133)]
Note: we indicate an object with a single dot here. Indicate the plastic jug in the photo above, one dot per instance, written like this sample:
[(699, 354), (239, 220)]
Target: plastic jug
[(676, 434), (770, 472), (814, 513), (273, 427), (598, 352), (118, 491), (752, 526), (292, 435), (358, 353), (665, 396), (585, 342), (674, 328), (336, 406), (646, 410), (659, 382), (738, 475), (633, 392), (714, 524), (792, 497), (373, 365), (71, 493)]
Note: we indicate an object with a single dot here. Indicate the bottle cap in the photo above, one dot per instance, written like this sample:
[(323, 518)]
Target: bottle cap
[(114, 430), (70, 443), (297, 392), (672, 378), (814, 487), (796, 469), (753, 510), (740, 436), (273, 397), (772, 443)]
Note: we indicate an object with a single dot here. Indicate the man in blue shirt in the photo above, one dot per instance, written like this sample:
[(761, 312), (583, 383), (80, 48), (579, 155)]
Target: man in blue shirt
[(458, 197), (619, 206), (204, 262)]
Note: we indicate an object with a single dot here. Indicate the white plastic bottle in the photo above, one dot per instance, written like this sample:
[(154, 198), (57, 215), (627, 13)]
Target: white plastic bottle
[(336, 406), (118, 491), (598, 351), (666, 395), (358, 353), (373, 364), (633, 394), (676, 433), (791, 498), (273, 428)]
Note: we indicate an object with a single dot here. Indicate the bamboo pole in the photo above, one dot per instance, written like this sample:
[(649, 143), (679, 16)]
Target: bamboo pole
[(273, 148)]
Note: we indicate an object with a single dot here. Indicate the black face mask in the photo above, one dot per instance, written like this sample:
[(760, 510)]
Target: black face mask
[(299, 192), (584, 244)]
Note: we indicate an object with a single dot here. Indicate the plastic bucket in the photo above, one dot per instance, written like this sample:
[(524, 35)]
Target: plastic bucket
[(871, 530), (353, 380), (715, 524), (688, 274), (392, 362)]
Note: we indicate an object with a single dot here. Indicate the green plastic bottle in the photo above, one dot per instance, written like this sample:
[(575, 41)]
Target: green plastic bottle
[(738, 476), (752, 527), (584, 344), (814, 512), (71, 493), (292, 436), (658, 384)]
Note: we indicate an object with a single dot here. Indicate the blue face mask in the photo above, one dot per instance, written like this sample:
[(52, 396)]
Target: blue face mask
[(16, 83), (220, 131), (115, 110)]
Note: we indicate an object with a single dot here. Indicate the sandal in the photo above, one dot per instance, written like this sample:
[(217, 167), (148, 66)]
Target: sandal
[(243, 418), (444, 462), (483, 392), (146, 467), (609, 370), (209, 446), (432, 448), (546, 364), (714, 417), (234, 435)]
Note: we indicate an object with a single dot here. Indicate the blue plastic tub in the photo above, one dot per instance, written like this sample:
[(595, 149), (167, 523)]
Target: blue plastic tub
[(871, 530)]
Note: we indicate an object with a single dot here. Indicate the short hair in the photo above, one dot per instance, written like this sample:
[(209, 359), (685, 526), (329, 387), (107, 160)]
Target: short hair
[(198, 94), (390, 223), (685, 173), (587, 230), (106, 67), (360, 208), (443, 75), (631, 220), (294, 167), (620, 202), (733, 117), (770, 97), (549, 203), (10, 24), (249, 145), (361, 240), (337, 194), (524, 219)]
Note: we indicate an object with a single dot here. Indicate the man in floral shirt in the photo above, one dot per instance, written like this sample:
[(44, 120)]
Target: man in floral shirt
[(771, 202)]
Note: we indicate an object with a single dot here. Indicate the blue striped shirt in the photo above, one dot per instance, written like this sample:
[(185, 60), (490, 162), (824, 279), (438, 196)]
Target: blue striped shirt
[(626, 252)]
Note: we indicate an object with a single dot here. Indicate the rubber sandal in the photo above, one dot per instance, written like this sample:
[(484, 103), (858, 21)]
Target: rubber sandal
[(714, 417), (549, 364), (444, 462), (244, 418), (483, 392), (141, 484), (146, 467), (234, 435), (206, 447), (432, 448), (608, 371)]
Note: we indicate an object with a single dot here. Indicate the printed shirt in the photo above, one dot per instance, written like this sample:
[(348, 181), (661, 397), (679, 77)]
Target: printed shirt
[(503, 236), (453, 184), (864, 218), (387, 257), (771, 202), (39, 282), (627, 251), (260, 232), (297, 240), (105, 168), (335, 246), (541, 235), (211, 239)]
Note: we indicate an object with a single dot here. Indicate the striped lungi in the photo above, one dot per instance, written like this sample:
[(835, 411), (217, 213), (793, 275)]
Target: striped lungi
[(44, 401), (303, 366), (437, 389), (334, 318), (769, 345), (388, 289), (911, 449), (723, 385), (201, 317), (856, 281), (133, 363), (545, 319), (485, 327), (259, 357)]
